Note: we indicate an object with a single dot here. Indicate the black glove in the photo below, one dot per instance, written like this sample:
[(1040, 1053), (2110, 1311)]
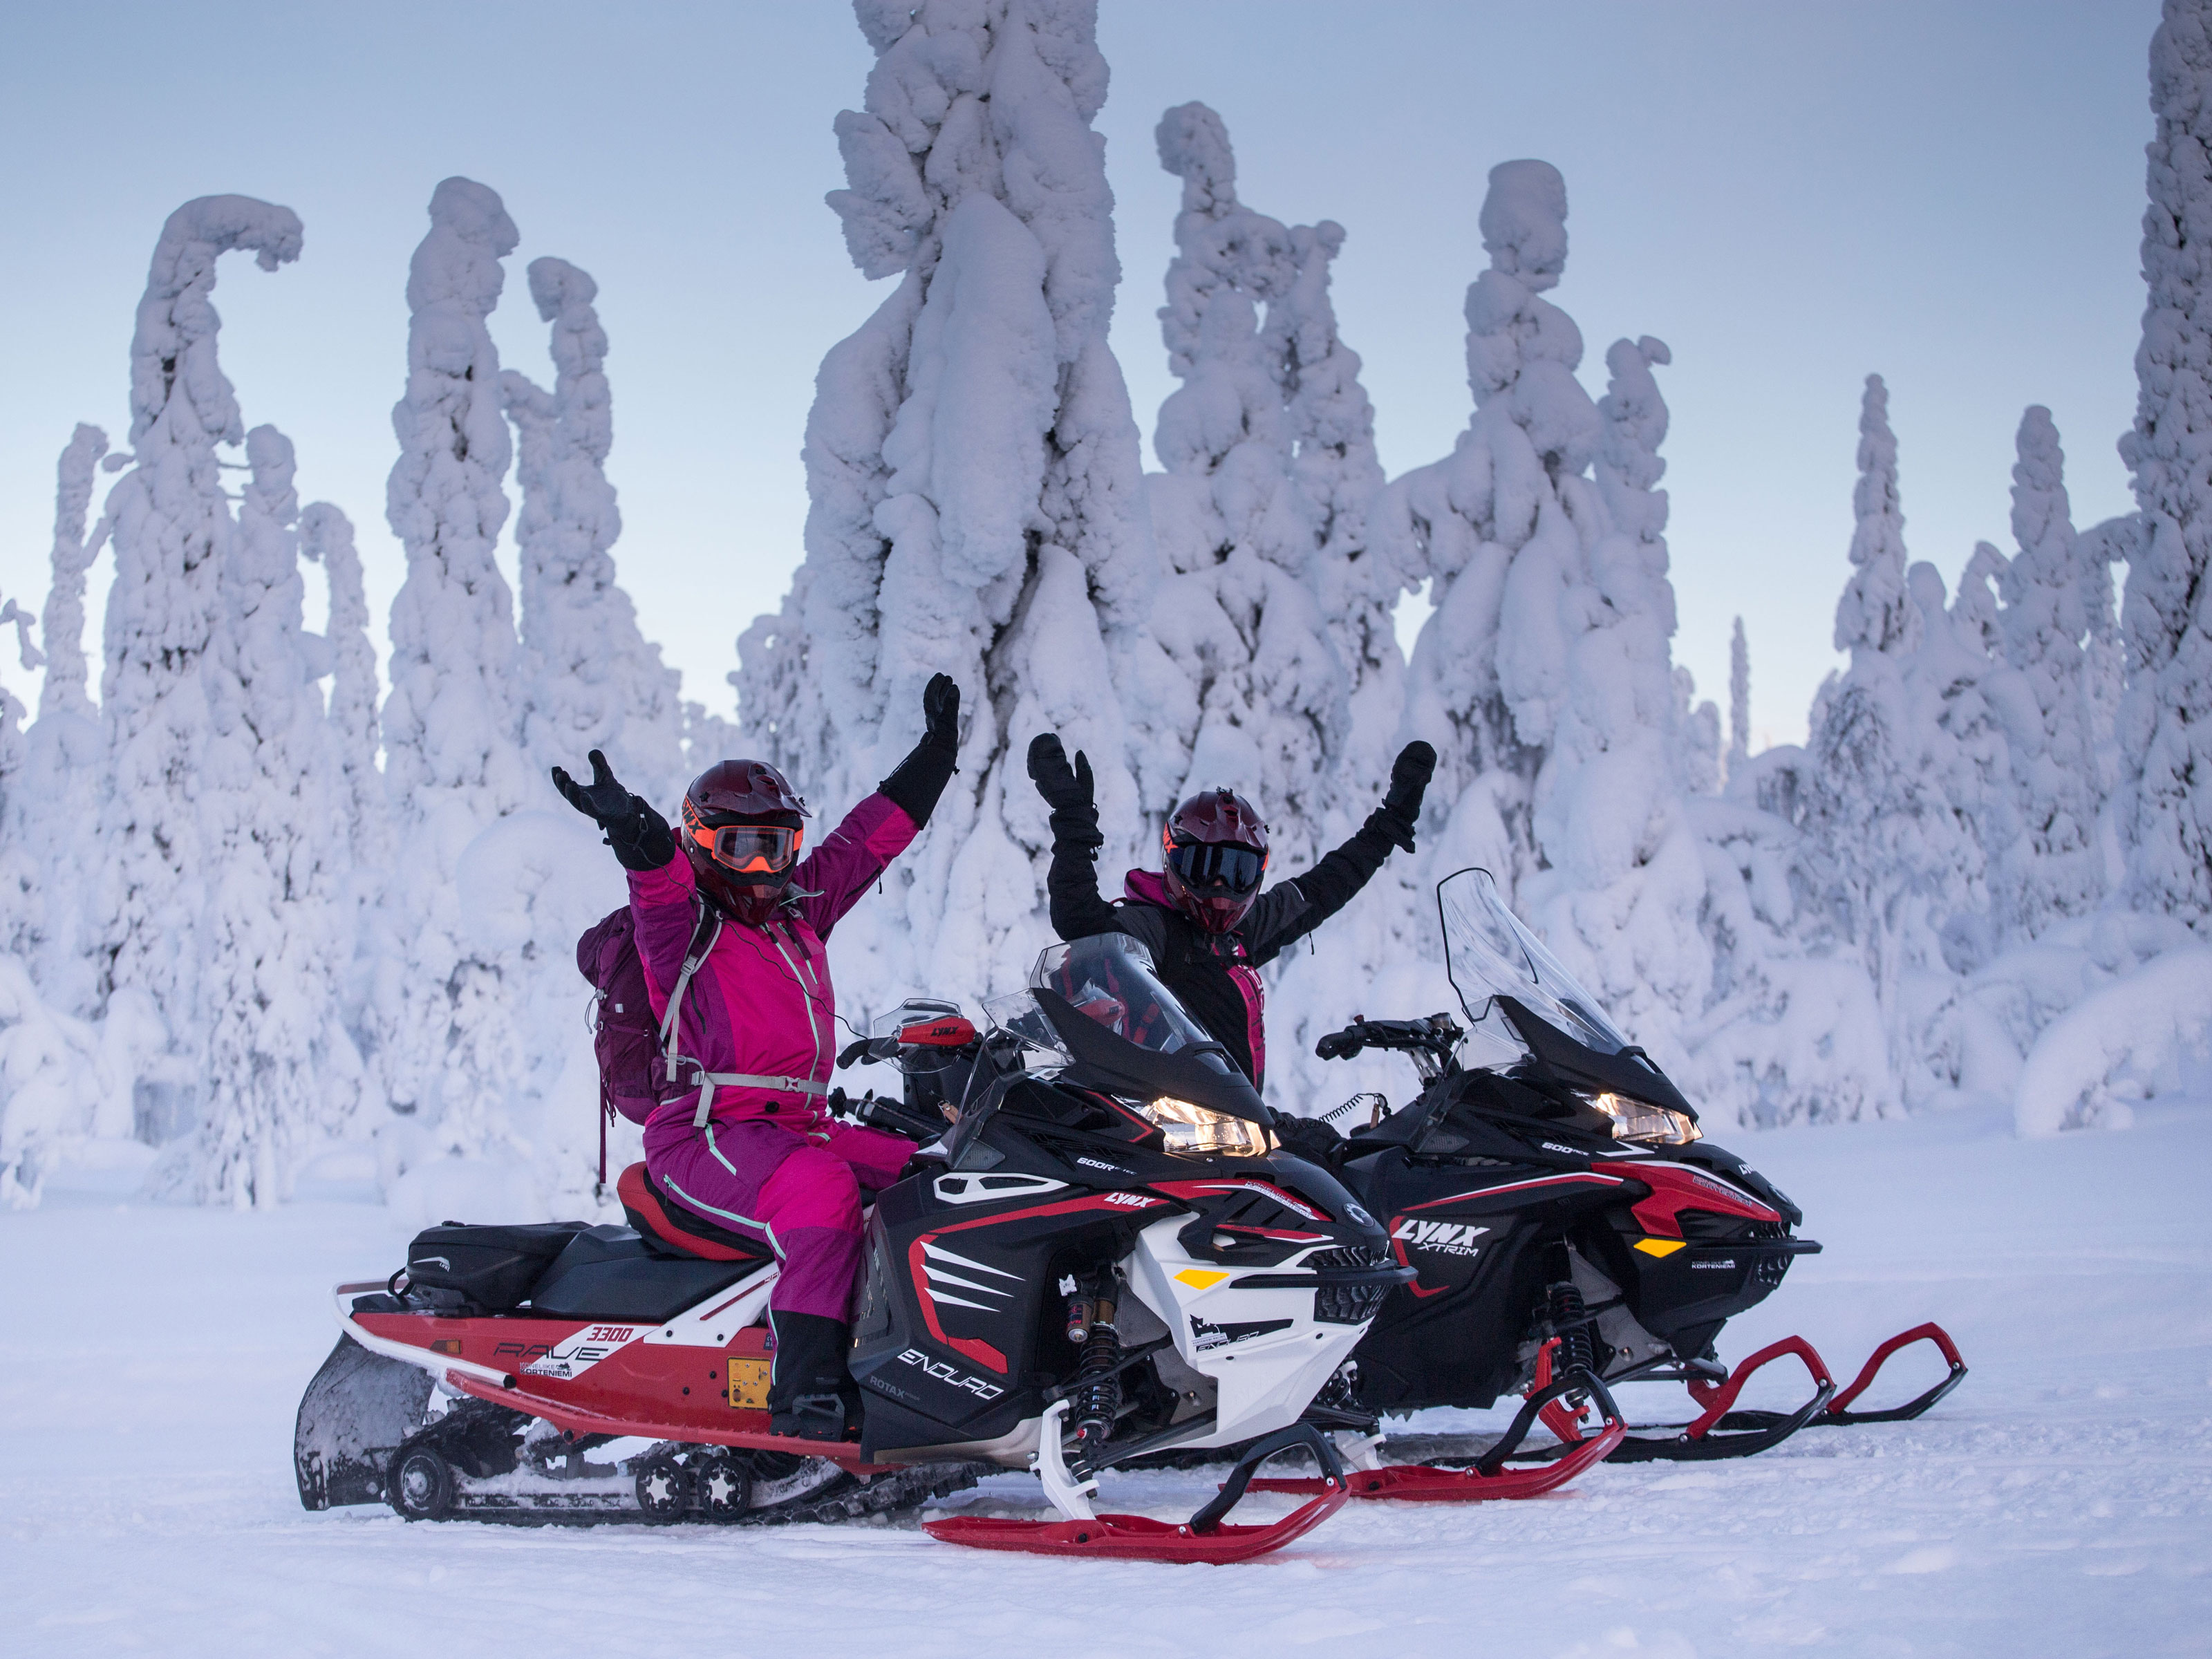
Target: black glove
[(640, 836), (940, 712), (1310, 1139), (1401, 810), (1068, 791), (921, 778)]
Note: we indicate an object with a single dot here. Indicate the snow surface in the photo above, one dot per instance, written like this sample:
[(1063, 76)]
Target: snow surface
[(2058, 1503)]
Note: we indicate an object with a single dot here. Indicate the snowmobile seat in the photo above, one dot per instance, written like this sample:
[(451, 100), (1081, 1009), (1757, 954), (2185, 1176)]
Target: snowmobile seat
[(672, 1228)]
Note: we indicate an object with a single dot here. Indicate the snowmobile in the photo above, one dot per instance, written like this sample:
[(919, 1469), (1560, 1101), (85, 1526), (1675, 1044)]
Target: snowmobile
[(1564, 1215), (1102, 1254)]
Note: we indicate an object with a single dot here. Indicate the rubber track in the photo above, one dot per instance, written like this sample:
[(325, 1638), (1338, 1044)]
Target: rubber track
[(848, 1500)]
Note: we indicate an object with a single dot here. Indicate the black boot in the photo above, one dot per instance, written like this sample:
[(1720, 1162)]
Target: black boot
[(811, 1393)]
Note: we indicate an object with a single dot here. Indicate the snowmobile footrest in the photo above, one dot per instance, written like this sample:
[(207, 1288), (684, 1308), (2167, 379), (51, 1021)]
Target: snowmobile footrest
[(1837, 1415), (1204, 1537), (1718, 1431)]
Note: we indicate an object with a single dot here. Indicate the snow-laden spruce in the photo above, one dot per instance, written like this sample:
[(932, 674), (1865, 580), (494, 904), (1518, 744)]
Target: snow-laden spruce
[(326, 539), (447, 1050), (2164, 724), (973, 479), (171, 530), (1739, 749), (277, 934), (51, 926), (1239, 613), (591, 679), (1462, 521), (2047, 864)]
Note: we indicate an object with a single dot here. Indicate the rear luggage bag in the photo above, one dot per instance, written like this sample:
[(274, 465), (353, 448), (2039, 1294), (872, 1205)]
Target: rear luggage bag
[(491, 1268)]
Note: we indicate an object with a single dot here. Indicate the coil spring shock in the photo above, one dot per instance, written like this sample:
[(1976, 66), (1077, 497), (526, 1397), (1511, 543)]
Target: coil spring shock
[(1570, 1322), (1095, 1396)]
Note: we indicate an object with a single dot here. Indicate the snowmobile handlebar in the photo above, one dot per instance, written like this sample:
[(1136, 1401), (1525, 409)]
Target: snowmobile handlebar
[(1438, 1036), (875, 1111)]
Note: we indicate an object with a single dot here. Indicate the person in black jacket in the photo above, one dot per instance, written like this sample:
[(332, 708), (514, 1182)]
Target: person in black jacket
[(1203, 916)]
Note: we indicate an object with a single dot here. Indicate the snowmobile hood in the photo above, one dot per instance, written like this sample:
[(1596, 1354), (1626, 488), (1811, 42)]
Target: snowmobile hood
[(1118, 1066), (1624, 1071)]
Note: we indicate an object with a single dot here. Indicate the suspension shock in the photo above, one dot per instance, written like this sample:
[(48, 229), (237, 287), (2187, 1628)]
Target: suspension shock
[(1095, 1396), (1569, 1321)]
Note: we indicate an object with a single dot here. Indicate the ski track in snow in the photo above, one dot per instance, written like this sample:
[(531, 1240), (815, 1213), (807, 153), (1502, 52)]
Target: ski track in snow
[(2058, 1503)]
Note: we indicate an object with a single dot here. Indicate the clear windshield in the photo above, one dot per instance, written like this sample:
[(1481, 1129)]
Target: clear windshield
[(1489, 953), (1110, 980)]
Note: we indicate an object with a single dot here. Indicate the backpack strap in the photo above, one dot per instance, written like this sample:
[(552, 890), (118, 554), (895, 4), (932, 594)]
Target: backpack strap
[(672, 1022)]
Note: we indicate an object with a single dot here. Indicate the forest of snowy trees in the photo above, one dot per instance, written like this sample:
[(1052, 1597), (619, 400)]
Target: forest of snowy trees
[(264, 895)]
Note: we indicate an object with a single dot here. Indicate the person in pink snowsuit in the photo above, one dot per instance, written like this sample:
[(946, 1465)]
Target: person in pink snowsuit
[(734, 932)]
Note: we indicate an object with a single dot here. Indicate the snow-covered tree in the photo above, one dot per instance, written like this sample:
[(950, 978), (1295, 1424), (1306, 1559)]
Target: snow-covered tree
[(1240, 614), (446, 1049), (2046, 864), (2165, 725), (1739, 749), (277, 935), (591, 681), (1624, 883), (326, 539), (172, 531), (1335, 480), (1488, 509), (57, 793), (974, 486)]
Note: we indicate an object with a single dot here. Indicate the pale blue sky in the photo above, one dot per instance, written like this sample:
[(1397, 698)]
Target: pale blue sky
[(1792, 195)]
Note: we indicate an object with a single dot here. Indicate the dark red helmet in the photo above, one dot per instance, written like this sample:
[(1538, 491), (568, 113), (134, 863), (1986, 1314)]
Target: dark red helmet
[(1215, 852), (742, 832)]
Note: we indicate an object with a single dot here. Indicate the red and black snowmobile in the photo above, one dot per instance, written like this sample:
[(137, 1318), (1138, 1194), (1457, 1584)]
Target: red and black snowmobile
[(1565, 1217), (1105, 1256)]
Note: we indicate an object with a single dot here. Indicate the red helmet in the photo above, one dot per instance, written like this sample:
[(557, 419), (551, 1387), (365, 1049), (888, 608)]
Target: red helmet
[(1215, 852), (742, 832)]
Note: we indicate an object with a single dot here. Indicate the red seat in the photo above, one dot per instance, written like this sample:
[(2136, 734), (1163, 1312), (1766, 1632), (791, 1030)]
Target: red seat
[(668, 1224)]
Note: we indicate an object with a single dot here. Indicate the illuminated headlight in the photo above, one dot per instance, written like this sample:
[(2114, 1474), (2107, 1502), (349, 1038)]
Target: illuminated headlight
[(1190, 1128), (1634, 1121)]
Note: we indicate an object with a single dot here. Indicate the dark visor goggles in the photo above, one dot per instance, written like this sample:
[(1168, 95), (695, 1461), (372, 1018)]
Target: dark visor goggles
[(750, 849), (1215, 868)]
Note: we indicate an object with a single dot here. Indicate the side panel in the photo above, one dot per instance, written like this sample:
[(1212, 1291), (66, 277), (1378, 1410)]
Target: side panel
[(948, 1343), (1481, 1238)]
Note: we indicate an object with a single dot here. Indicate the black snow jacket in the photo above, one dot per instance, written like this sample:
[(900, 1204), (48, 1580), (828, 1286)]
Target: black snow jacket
[(1216, 976)]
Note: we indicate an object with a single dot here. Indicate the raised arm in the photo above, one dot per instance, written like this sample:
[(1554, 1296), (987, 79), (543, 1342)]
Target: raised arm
[(1293, 908), (661, 884), (1072, 883), (882, 826)]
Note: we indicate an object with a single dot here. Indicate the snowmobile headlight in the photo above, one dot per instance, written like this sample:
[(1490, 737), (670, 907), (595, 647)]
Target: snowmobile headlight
[(1632, 1120), (1189, 1129)]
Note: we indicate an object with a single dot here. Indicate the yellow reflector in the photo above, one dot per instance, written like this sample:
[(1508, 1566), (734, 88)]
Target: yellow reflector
[(1659, 1246), (1200, 1278)]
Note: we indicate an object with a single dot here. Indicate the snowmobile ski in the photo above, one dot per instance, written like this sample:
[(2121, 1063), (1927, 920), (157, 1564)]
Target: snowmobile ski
[(1556, 1402)]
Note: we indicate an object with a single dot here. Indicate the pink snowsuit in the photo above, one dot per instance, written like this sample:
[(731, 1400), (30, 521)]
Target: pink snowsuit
[(771, 1162)]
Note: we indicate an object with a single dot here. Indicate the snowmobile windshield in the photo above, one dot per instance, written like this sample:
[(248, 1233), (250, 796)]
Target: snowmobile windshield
[(1489, 954), (1096, 1007)]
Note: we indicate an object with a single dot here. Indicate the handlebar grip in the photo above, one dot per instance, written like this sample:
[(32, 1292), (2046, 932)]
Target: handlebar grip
[(851, 1052), (1341, 1045)]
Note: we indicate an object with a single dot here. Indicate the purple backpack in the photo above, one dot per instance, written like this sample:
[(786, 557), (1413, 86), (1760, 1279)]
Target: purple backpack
[(625, 1036)]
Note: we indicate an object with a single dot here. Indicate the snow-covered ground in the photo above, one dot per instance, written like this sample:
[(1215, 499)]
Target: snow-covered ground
[(2059, 1502)]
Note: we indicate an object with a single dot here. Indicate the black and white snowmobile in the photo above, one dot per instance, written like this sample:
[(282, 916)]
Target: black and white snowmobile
[(1566, 1217), (1105, 1256)]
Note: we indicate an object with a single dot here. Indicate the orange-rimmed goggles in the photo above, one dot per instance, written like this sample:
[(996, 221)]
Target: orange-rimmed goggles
[(750, 849)]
